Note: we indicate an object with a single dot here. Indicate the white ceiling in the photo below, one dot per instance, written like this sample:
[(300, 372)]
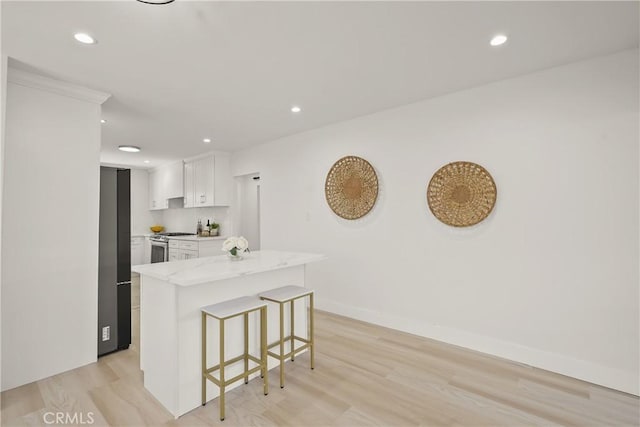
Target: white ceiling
[(231, 70)]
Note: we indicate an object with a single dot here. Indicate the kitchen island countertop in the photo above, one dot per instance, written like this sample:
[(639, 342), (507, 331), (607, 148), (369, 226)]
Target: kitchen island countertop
[(210, 269)]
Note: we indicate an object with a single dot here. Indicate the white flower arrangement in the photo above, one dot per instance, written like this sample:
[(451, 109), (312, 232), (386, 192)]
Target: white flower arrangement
[(235, 245)]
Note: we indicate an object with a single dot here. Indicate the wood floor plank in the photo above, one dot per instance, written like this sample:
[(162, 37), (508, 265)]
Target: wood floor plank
[(365, 375), (124, 403), (521, 403), (32, 419), (572, 404), (21, 401)]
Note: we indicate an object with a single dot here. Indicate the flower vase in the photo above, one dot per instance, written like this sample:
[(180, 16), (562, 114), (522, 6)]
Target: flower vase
[(235, 257)]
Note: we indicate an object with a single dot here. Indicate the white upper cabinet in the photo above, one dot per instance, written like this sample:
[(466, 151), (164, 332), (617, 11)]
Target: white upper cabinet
[(189, 194), (155, 200), (165, 182), (204, 181), (207, 181), (173, 177)]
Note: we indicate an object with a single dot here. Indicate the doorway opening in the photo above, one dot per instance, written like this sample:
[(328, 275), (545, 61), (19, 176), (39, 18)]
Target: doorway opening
[(248, 215)]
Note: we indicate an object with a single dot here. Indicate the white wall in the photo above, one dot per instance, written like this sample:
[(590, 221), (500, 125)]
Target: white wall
[(3, 110), (141, 217), (51, 182), (549, 279)]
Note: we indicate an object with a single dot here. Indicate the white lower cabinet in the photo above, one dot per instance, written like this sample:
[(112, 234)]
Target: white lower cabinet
[(137, 250), (187, 249)]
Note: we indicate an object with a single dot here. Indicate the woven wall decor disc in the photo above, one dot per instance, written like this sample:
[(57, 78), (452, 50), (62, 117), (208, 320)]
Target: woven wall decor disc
[(461, 194), (351, 187)]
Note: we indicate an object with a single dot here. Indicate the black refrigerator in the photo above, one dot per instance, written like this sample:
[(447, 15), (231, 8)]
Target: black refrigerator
[(114, 267)]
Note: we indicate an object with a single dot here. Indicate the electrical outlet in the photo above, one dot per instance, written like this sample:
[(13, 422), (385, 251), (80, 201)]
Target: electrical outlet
[(106, 333)]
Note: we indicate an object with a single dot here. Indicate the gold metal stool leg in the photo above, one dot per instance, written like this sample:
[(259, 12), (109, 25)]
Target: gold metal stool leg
[(281, 345), (263, 346), (292, 332), (204, 359), (263, 349), (311, 339), (246, 347), (221, 369)]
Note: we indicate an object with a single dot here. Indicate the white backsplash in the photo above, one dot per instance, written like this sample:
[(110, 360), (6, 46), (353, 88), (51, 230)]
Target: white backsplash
[(186, 219)]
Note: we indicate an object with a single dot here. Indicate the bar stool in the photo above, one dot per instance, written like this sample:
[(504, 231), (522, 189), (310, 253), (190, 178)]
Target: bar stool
[(289, 294), (223, 311)]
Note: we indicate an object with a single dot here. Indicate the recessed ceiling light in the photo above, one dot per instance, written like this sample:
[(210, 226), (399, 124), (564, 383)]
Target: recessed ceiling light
[(498, 40), (147, 161), (156, 1), (103, 121), (129, 148), (84, 38), (206, 140), (295, 109)]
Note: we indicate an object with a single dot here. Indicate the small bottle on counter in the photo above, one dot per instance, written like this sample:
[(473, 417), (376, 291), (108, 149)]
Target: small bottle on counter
[(199, 228)]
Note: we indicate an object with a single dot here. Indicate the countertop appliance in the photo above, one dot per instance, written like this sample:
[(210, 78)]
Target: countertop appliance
[(114, 268), (160, 245)]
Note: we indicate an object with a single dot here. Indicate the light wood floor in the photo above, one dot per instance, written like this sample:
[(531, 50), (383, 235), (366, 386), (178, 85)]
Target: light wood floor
[(365, 375)]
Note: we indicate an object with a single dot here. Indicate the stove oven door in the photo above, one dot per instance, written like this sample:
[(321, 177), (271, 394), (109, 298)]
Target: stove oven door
[(159, 251)]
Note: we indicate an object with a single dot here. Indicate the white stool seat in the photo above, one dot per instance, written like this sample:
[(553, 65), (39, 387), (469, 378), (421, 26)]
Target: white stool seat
[(233, 307), (285, 293)]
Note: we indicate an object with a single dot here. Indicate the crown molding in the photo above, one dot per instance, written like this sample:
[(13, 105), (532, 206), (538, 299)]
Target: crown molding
[(59, 87)]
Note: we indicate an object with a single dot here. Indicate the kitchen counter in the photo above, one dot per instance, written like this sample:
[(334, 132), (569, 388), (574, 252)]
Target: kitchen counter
[(210, 269), (171, 295), (196, 238)]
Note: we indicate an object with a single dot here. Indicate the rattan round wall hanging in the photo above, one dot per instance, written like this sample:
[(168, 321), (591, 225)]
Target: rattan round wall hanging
[(461, 194), (351, 187)]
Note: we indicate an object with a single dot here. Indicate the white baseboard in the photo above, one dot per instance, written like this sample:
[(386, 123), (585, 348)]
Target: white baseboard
[(588, 371)]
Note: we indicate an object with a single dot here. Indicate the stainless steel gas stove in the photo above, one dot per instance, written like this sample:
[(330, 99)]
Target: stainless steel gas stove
[(160, 245)]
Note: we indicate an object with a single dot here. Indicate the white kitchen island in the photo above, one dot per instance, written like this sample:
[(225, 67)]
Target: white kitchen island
[(171, 295)]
